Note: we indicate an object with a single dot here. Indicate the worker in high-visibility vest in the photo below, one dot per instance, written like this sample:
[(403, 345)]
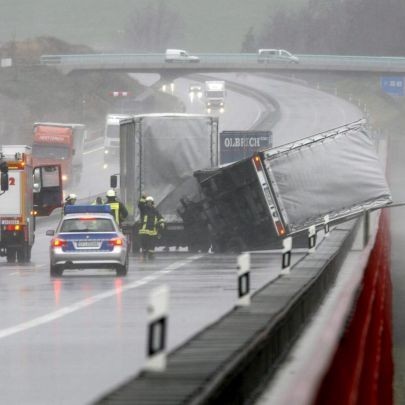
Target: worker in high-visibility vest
[(151, 224), (69, 200), (118, 209)]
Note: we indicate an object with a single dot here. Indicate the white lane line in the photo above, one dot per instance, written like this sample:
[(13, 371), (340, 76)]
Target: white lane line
[(52, 316), (93, 150)]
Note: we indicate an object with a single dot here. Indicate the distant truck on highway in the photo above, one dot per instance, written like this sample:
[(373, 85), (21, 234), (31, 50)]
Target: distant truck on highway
[(158, 155), (31, 192), (215, 96), (59, 143), (279, 192), (112, 137)]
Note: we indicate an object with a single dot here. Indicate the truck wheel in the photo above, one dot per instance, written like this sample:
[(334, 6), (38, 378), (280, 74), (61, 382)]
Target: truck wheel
[(56, 271), (136, 246), (193, 248), (122, 271), (24, 254), (236, 245), (11, 255), (205, 247)]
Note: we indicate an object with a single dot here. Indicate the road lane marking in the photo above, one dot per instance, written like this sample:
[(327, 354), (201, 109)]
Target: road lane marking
[(60, 313), (93, 150)]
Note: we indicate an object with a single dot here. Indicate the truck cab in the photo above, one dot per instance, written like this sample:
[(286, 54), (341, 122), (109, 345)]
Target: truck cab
[(215, 96), (59, 143)]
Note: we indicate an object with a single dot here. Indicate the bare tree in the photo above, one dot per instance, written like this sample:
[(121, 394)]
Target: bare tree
[(249, 42), (153, 27), (354, 27)]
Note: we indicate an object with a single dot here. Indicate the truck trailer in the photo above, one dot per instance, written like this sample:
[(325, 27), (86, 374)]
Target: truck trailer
[(59, 143), (277, 192), (158, 155), (236, 145), (31, 192)]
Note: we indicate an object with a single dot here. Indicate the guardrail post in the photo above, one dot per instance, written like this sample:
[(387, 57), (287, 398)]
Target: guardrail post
[(158, 304), (326, 227), (243, 280), (311, 239), (366, 228), (286, 256), (363, 234)]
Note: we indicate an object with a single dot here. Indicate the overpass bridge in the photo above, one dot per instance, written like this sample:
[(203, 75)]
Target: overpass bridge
[(224, 62)]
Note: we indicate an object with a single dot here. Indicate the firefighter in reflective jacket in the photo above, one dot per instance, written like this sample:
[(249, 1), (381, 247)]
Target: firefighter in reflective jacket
[(118, 209), (69, 200), (152, 223)]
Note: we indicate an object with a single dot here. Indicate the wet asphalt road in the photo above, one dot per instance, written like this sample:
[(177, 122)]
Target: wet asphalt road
[(69, 340)]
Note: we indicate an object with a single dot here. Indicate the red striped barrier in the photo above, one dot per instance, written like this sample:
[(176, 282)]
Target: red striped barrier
[(361, 371)]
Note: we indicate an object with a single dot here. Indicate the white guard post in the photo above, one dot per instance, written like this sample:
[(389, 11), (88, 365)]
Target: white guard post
[(311, 239), (286, 257), (158, 305), (243, 280), (326, 225)]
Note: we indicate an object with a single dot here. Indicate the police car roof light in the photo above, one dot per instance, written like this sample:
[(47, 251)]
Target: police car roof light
[(82, 209)]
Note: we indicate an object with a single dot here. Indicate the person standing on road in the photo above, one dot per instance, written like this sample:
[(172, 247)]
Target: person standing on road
[(97, 201), (151, 224), (118, 209), (69, 200)]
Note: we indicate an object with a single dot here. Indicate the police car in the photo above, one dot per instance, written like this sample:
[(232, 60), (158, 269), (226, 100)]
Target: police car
[(87, 237)]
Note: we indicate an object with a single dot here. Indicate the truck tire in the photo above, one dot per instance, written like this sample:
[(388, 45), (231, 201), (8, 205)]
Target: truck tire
[(136, 246), (24, 254), (11, 255), (56, 271), (122, 271)]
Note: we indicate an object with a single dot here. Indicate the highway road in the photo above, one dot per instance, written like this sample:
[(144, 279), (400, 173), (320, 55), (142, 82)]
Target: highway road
[(69, 340)]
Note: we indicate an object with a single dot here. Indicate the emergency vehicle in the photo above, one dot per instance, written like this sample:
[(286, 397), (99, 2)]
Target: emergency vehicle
[(30, 192)]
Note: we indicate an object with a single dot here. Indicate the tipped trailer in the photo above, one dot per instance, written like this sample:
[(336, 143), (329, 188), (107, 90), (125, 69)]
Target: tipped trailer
[(278, 192), (158, 155)]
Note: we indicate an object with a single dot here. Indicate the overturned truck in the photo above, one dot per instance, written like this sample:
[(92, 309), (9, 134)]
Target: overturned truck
[(278, 192), (158, 155)]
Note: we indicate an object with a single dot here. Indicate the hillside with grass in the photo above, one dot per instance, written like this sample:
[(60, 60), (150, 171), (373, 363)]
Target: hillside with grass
[(30, 92)]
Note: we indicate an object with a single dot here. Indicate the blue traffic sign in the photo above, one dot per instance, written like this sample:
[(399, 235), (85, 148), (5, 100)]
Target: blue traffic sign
[(393, 85)]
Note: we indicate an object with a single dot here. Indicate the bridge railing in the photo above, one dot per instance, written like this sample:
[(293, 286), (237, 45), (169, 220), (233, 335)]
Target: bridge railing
[(250, 58)]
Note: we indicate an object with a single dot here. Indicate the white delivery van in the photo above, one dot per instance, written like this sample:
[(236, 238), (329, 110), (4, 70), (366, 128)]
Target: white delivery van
[(276, 55), (179, 55)]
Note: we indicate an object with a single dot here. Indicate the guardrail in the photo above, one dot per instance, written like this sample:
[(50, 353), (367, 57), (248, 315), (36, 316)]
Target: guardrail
[(227, 61), (226, 362)]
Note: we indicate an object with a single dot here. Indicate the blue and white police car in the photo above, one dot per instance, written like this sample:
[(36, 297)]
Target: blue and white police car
[(88, 237)]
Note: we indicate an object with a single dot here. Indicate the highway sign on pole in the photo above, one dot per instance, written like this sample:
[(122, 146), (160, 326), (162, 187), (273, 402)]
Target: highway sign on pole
[(393, 85)]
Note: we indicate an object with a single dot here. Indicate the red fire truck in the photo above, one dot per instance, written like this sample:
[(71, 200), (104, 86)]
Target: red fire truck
[(26, 193)]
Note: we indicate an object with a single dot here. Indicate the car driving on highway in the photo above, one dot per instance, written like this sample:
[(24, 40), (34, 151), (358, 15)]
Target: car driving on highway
[(195, 90), (87, 237), (180, 55), (276, 55)]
